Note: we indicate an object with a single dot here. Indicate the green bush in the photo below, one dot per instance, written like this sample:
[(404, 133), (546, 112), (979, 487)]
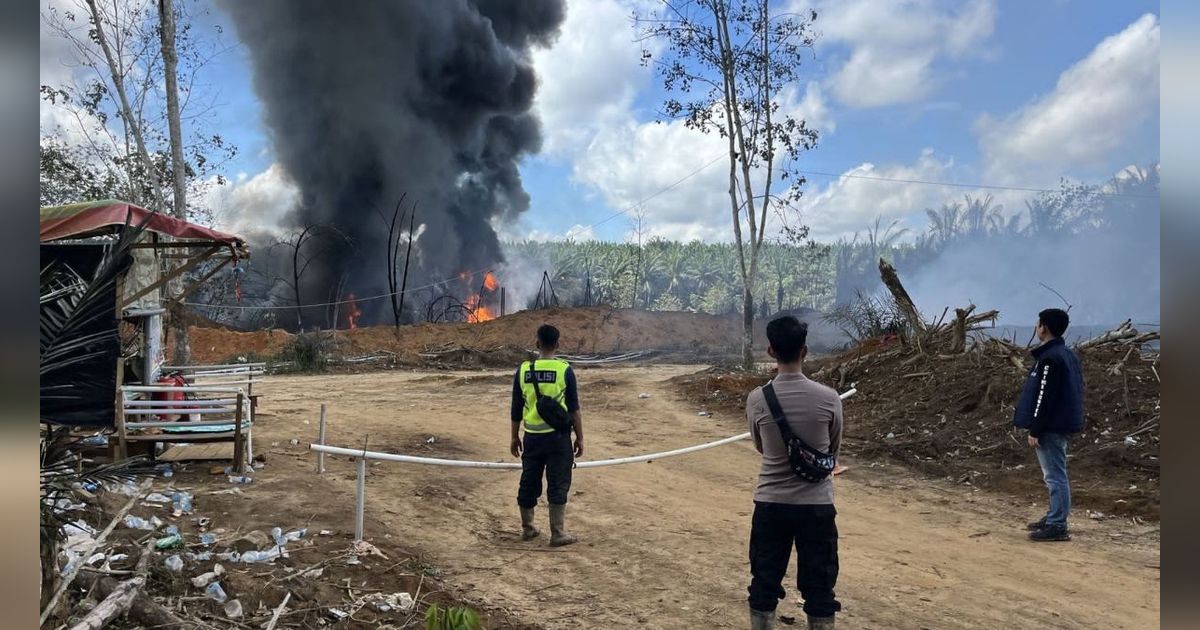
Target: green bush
[(307, 352), (452, 618)]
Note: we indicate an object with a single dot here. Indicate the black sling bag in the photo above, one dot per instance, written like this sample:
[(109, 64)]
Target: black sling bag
[(807, 462), (550, 411)]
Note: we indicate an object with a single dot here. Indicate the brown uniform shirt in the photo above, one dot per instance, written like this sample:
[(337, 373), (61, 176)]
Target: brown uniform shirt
[(814, 413)]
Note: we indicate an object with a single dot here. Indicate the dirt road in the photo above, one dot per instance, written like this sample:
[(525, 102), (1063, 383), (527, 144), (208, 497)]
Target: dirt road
[(664, 544)]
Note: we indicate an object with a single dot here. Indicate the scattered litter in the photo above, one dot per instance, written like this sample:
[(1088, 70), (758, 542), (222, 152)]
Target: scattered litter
[(165, 470), (891, 435), (157, 497), (203, 556), (228, 491), (229, 556), (431, 440), (240, 479), (1134, 487), (396, 601), (294, 535), (208, 539), (277, 536), (643, 395), (337, 614), (94, 440), (202, 580), (174, 563), (203, 522), (1095, 515), (169, 542), (96, 557), (172, 530), (259, 465), (325, 532), (182, 502), (313, 574), (703, 414), (269, 555), (137, 522), (156, 522), (233, 609), (1130, 440), (293, 441), (362, 548), (216, 593)]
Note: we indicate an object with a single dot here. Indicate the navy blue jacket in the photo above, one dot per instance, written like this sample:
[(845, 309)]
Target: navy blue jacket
[(1052, 400)]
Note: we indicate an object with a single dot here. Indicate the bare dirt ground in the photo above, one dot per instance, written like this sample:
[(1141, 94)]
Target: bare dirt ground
[(664, 544)]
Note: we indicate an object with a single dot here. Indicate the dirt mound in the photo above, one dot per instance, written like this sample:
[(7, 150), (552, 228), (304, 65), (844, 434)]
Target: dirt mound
[(951, 416), (502, 341)]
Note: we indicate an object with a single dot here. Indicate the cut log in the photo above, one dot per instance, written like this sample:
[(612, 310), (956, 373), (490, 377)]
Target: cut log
[(1124, 331), (958, 331), (892, 281), (142, 609), (117, 602)]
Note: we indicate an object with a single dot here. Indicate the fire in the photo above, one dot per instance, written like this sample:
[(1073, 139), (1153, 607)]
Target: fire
[(477, 311), (352, 312)]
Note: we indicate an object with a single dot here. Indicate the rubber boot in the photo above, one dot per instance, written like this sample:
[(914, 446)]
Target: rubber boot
[(820, 623), (558, 528), (528, 531), (762, 619)]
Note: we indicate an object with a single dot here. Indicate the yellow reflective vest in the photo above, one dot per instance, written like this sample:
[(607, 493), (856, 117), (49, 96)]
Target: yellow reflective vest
[(552, 382)]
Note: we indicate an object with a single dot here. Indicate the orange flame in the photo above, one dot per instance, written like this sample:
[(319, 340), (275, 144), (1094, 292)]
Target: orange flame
[(490, 283), (476, 310), (352, 312)]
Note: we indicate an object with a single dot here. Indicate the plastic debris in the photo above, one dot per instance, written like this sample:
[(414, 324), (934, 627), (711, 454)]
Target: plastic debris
[(156, 522), (157, 497), (703, 414), (208, 539), (240, 479), (891, 435), (169, 542), (294, 535), (261, 556), (294, 441), (172, 530), (233, 609), (325, 532), (95, 440), (277, 536), (431, 440), (202, 580), (136, 522), (165, 470), (337, 614), (216, 593), (174, 563), (1130, 440), (182, 502), (230, 556), (203, 522)]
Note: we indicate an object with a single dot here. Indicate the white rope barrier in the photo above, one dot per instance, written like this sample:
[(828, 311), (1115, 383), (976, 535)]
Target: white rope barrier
[(362, 455)]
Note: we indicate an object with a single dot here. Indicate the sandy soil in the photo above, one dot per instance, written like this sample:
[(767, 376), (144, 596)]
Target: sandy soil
[(664, 544)]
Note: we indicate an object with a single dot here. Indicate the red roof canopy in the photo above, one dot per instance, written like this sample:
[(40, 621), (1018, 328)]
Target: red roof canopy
[(92, 218)]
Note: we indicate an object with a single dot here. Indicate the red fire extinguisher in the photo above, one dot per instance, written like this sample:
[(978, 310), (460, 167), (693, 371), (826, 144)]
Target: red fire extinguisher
[(172, 379)]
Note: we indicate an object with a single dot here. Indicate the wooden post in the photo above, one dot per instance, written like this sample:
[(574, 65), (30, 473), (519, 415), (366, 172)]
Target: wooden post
[(122, 448), (239, 454), (501, 301), (891, 280), (321, 441)]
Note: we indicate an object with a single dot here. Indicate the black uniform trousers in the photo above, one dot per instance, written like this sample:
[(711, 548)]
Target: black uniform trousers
[(550, 454), (775, 529)]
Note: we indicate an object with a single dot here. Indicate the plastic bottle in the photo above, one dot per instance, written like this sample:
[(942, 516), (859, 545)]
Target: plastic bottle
[(182, 502), (216, 593), (208, 539), (293, 536), (169, 542), (137, 522), (233, 609), (174, 563), (240, 479)]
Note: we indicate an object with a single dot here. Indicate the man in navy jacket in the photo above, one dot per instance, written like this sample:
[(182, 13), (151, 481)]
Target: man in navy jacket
[(1051, 408)]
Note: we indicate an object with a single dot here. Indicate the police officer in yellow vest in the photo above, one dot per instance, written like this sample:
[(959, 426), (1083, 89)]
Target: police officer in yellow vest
[(545, 448)]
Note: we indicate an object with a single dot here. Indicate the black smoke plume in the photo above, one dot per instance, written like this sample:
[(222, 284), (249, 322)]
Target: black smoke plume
[(368, 101)]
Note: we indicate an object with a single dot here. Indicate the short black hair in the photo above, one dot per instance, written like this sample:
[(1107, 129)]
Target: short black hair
[(787, 336), (1055, 320), (547, 336)]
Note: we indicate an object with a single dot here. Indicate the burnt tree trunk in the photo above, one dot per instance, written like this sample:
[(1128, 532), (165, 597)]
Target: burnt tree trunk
[(892, 281)]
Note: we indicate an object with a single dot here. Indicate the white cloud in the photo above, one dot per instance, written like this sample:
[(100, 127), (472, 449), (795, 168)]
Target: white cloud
[(852, 202), (895, 44), (253, 205), (586, 101), (1092, 111), (576, 232)]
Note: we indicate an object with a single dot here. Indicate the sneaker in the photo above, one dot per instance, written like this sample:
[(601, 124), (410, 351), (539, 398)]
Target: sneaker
[(1036, 525), (1051, 533)]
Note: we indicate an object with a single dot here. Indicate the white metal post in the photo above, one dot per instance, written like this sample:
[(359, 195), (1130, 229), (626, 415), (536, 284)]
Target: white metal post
[(360, 497), (321, 441)]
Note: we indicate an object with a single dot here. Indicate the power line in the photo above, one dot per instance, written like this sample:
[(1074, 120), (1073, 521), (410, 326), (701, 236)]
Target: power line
[(985, 186)]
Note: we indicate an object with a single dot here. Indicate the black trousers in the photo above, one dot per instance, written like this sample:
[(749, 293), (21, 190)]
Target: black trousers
[(550, 454), (775, 529)]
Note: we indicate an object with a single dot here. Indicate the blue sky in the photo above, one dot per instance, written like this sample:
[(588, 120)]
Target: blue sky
[(1016, 93)]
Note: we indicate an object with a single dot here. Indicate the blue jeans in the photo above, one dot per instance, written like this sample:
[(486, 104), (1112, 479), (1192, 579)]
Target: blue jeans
[(1052, 455)]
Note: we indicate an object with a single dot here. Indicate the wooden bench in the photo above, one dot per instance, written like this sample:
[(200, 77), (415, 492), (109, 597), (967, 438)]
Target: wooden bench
[(212, 413)]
